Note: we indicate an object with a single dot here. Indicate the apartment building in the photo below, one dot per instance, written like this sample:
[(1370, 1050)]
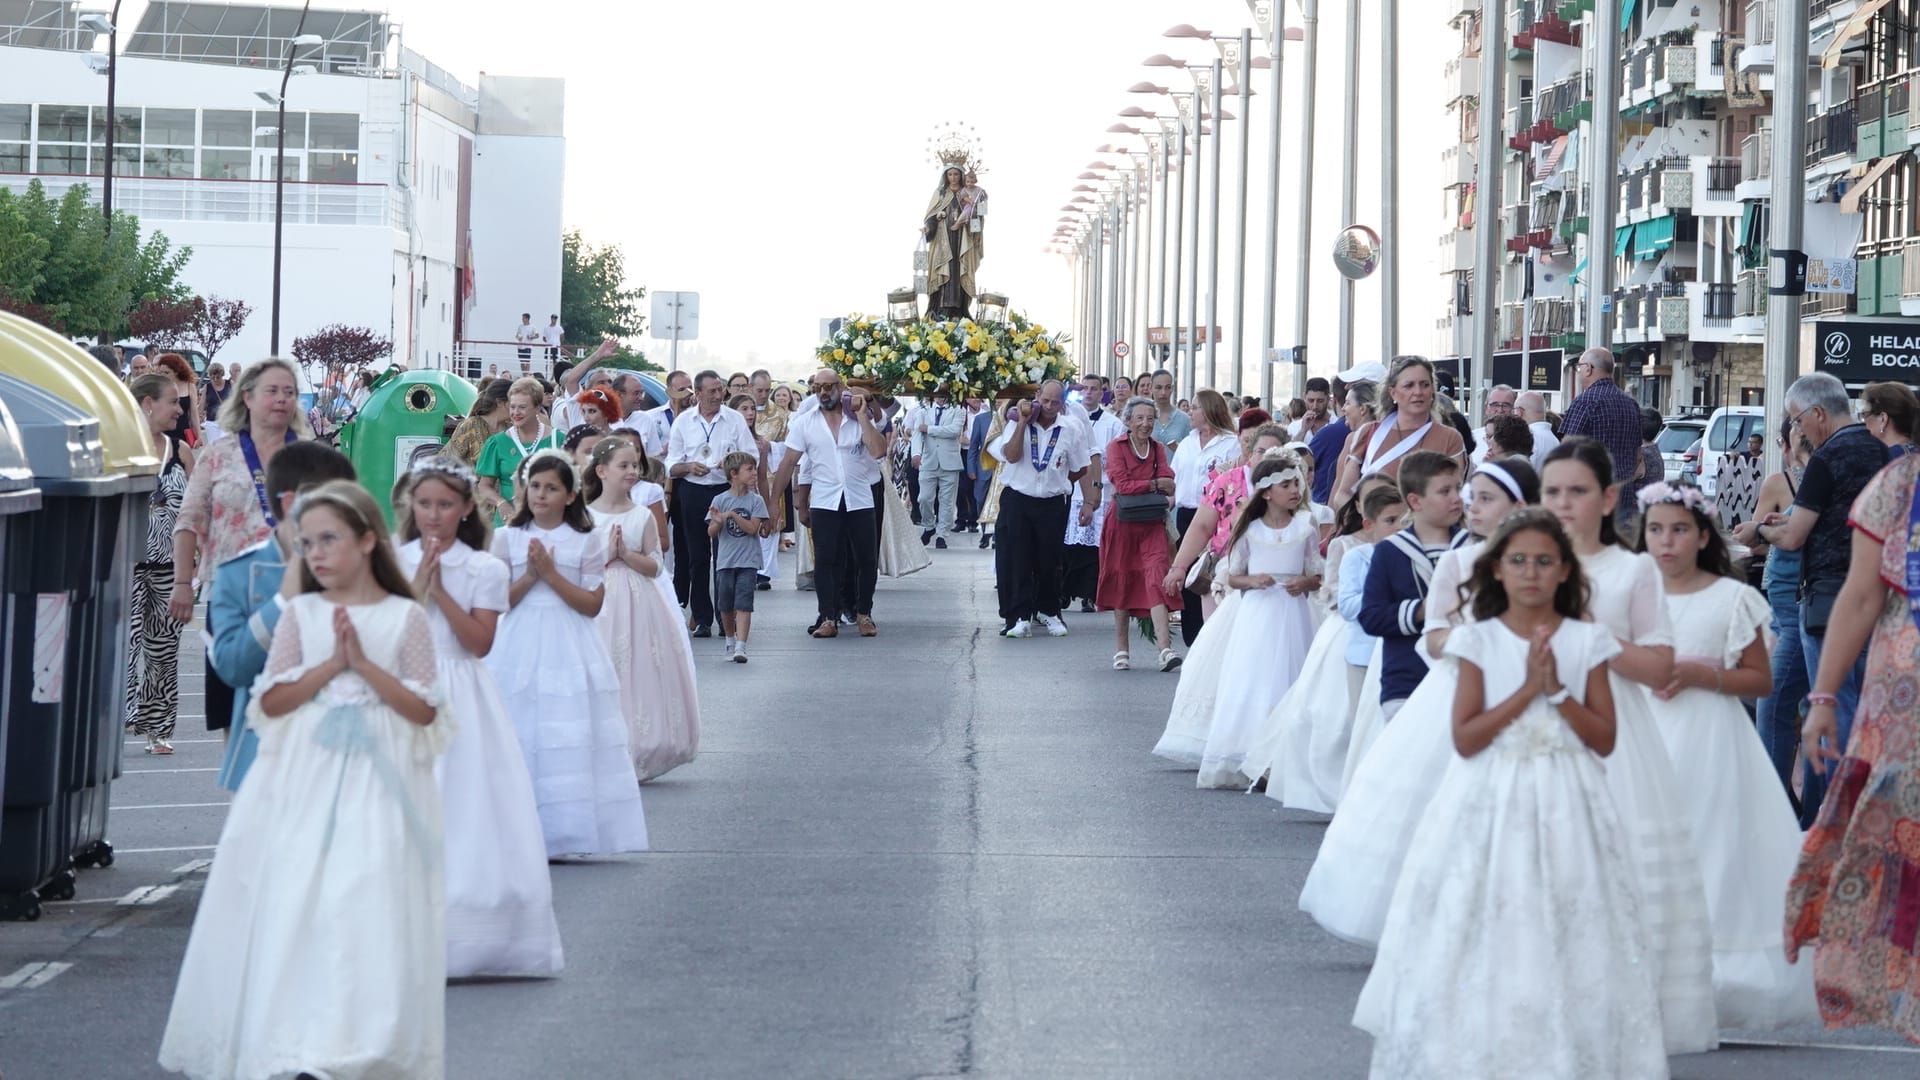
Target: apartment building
[(414, 203)]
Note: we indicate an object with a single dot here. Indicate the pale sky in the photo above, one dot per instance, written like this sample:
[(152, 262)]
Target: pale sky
[(772, 156)]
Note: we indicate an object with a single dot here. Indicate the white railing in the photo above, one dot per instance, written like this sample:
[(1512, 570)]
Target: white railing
[(154, 198), (1760, 22), (1756, 155)]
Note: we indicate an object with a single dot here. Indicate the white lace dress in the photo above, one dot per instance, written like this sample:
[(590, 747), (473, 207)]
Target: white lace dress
[(1271, 636), (1515, 945), (1358, 864), (649, 648), (1310, 724), (1191, 717), (560, 688), (1743, 827), (1628, 599), (319, 945), (499, 895)]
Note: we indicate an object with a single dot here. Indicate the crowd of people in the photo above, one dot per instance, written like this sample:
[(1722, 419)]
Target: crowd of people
[(1563, 739)]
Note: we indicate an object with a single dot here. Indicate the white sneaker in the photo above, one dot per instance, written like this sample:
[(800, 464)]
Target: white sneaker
[(1021, 629), (730, 647), (739, 652), (1055, 628)]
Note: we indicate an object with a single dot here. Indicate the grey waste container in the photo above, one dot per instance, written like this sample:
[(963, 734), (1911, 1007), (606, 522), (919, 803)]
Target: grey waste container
[(18, 499), (57, 735)]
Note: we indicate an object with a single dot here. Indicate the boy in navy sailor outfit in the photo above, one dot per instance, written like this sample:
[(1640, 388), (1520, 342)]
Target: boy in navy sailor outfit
[(1393, 606)]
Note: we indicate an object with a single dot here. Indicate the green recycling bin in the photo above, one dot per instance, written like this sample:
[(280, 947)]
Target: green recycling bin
[(18, 499), (405, 419)]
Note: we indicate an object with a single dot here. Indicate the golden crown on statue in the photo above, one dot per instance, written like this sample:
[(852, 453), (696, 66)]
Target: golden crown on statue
[(954, 146)]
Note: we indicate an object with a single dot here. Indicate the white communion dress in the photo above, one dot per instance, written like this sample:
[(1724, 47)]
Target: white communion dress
[(1191, 716), (1302, 747), (319, 945), (560, 688), (499, 895), (1515, 945), (647, 642)]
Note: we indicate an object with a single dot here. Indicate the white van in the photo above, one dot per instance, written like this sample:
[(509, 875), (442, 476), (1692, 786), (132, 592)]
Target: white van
[(1727, 431)]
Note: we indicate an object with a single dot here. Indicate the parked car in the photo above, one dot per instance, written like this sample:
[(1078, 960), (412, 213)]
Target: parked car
[(1677, 436), (1690, 462), (1727, 432)]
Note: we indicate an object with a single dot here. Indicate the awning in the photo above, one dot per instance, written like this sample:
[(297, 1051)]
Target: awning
[(1626, 13), (1554, 154), (1855, 26), (1654, 238), (1850, 202), (1622, 240)]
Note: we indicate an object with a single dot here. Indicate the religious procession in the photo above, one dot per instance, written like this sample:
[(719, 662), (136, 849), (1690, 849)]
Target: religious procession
[(488, 716)]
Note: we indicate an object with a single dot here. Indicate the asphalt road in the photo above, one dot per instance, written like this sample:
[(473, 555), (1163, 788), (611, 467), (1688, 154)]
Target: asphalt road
[(934, 853)]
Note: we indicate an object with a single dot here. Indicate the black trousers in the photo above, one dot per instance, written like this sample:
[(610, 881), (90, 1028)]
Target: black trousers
[(217, 701), (1031, 534), (846, 561), (693, 553), (1190, 614), (966, 513)]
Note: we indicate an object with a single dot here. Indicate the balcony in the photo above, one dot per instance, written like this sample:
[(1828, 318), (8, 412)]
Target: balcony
[(1456, 251), (1463, 77), (1884, 117), (1762, 17), (1711, 307), (1756, 166), (1910, 270), (1832, 134), (1519, 126), (1457, 165), (153, 198)]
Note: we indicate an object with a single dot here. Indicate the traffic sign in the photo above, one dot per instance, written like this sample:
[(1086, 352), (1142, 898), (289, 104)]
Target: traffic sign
[(676, 316), (1122, 350)]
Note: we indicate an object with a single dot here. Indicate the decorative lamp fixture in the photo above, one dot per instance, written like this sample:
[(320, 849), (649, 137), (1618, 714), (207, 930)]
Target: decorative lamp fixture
[(992, 308), (903, 306)]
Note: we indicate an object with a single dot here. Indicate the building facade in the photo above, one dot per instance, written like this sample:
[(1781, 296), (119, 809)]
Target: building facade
[(414, 204)]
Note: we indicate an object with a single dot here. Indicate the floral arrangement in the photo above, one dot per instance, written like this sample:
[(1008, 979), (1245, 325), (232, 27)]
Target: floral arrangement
[(968, 358)]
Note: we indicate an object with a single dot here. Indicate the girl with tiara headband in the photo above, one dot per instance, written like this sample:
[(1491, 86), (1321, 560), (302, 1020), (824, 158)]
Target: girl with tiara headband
[(641, 628), (1273, 561), (1353, 876), (1744, 830), (320, 947), (499, 895), (554, 671)]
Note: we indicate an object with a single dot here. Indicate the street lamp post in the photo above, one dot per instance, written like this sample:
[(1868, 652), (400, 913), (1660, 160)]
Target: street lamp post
[(1390, 180), (108, 24), (1213, 234), (1190, 370), (299, 41), (1272, 15), (1349, 169), (1302, 288)]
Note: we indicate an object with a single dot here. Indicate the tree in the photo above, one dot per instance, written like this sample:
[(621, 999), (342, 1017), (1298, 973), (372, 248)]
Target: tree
[(159, 321), (216, 321), (341, 350), (57, 257), (595, 301)]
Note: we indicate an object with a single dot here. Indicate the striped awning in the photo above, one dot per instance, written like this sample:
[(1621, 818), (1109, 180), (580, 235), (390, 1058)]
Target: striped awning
[(1850, 202), (1855, 26), (1554, 155)]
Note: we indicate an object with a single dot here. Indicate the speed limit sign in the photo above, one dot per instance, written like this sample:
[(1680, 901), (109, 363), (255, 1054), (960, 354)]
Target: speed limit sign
[(1122, 350)]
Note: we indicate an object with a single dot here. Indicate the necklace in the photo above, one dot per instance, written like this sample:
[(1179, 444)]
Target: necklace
[(1033, 450), (524, 448)]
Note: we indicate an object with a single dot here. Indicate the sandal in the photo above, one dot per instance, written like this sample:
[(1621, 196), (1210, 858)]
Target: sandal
[(1122, 662), (1169, 660), (159, 746)]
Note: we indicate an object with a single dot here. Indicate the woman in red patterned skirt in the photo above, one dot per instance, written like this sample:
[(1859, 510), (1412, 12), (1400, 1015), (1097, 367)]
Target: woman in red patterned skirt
[(1133, 554)]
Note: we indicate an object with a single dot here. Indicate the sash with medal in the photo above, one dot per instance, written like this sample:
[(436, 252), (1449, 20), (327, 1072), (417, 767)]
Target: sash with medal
[(1033, 449), (1375, 461), (252, 455)]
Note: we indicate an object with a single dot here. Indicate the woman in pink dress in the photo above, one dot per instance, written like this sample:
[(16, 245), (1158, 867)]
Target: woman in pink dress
[(1133, 554)]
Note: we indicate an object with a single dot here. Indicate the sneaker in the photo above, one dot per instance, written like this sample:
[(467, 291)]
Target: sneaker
[(846, 618), (728, 651), (1055, 628), (985, 539), (1020, 629), (941, 544), (703, 631), (739, 652), (925, 535)]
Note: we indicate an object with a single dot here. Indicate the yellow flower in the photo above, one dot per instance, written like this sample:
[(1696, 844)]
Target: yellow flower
[(923, 366), (945, 350), (840, 354)]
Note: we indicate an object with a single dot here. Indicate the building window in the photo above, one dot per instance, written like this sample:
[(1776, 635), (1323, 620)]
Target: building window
[(54, 158), (176, 161), (63, 123), (226, 127), (16, 133), (329, 167), (333, 131), (218, 164), (264, 136)]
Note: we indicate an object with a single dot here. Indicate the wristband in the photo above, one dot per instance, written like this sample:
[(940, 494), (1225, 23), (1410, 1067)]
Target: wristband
[(1828, 700), (1559, 698)]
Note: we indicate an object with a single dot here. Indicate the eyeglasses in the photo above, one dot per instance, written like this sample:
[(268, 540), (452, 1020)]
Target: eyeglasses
[(1793, 419), (1499, 406), (1520, 564)]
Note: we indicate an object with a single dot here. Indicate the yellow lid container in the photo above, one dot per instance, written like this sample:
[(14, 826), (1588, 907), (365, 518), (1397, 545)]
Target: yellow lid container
[(32, 352)]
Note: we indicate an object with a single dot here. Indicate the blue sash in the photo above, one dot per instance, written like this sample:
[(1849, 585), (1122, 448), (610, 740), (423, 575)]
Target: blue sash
[(252, 454)]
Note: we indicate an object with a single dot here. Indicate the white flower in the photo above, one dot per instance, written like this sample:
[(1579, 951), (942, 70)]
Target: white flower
[(861, 343), (859, 369)]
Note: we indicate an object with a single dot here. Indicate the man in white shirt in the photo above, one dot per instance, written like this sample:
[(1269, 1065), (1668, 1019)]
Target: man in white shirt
[(1080, 555), (1499, 403), (1319, 397), (1533, 409), (701, 439), (1044, 456), (555, 336), (936, 430), (568, 413), (526, 334), (842, 447)]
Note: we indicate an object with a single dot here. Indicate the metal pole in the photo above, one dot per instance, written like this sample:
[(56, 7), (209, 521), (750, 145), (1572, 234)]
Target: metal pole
[(1270, 310), (1116, 321), (1213, 233), (1166, 183), (1172, 266), (113, 71), (1190, 369), (1138, 234), (1788, 273), (1486, 199), (1245, 58), (1349, 174), (1603, 162), (1098, 225), (280, 178), (1389, 180), (1303, 290)]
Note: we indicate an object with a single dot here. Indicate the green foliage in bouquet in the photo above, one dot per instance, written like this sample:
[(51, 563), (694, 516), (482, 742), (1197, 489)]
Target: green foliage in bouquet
[(968, 358)]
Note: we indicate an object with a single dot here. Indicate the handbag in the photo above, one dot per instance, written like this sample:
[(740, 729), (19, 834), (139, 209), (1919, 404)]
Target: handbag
[(1146, 506), (1816, 599)]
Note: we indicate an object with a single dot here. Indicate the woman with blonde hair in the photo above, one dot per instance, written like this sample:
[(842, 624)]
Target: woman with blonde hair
[(526, 434), (225, 509)]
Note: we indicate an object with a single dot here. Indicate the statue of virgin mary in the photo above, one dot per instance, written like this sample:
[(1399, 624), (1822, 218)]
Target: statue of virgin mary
[(953, 249)]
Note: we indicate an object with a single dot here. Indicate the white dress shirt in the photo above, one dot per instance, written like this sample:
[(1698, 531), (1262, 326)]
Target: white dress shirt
[(1194, 464), (839, 468), (697, 439), (1051, 479), (653, 426), (568, 415), (1544, 440), (554, 335)]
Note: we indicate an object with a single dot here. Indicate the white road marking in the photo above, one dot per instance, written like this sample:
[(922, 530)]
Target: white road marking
[(176, 742), (169, 806), (136, 772), (195, 866), (156, 850), (29, 976), (148, 894)]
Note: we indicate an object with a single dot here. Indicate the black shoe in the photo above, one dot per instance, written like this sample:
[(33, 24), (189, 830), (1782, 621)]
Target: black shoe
[(940, 544), (703, 631), (764, 586), (1086, 606), (926, 535), (985, 539)]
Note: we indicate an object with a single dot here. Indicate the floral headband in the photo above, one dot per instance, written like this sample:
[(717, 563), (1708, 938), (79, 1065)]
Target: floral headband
[(1292, 470), (442, 465), (1679, 495), (557, 455)]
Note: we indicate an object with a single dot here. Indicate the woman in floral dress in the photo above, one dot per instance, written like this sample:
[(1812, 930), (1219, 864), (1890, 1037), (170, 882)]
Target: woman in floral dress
[(1856, 893)]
